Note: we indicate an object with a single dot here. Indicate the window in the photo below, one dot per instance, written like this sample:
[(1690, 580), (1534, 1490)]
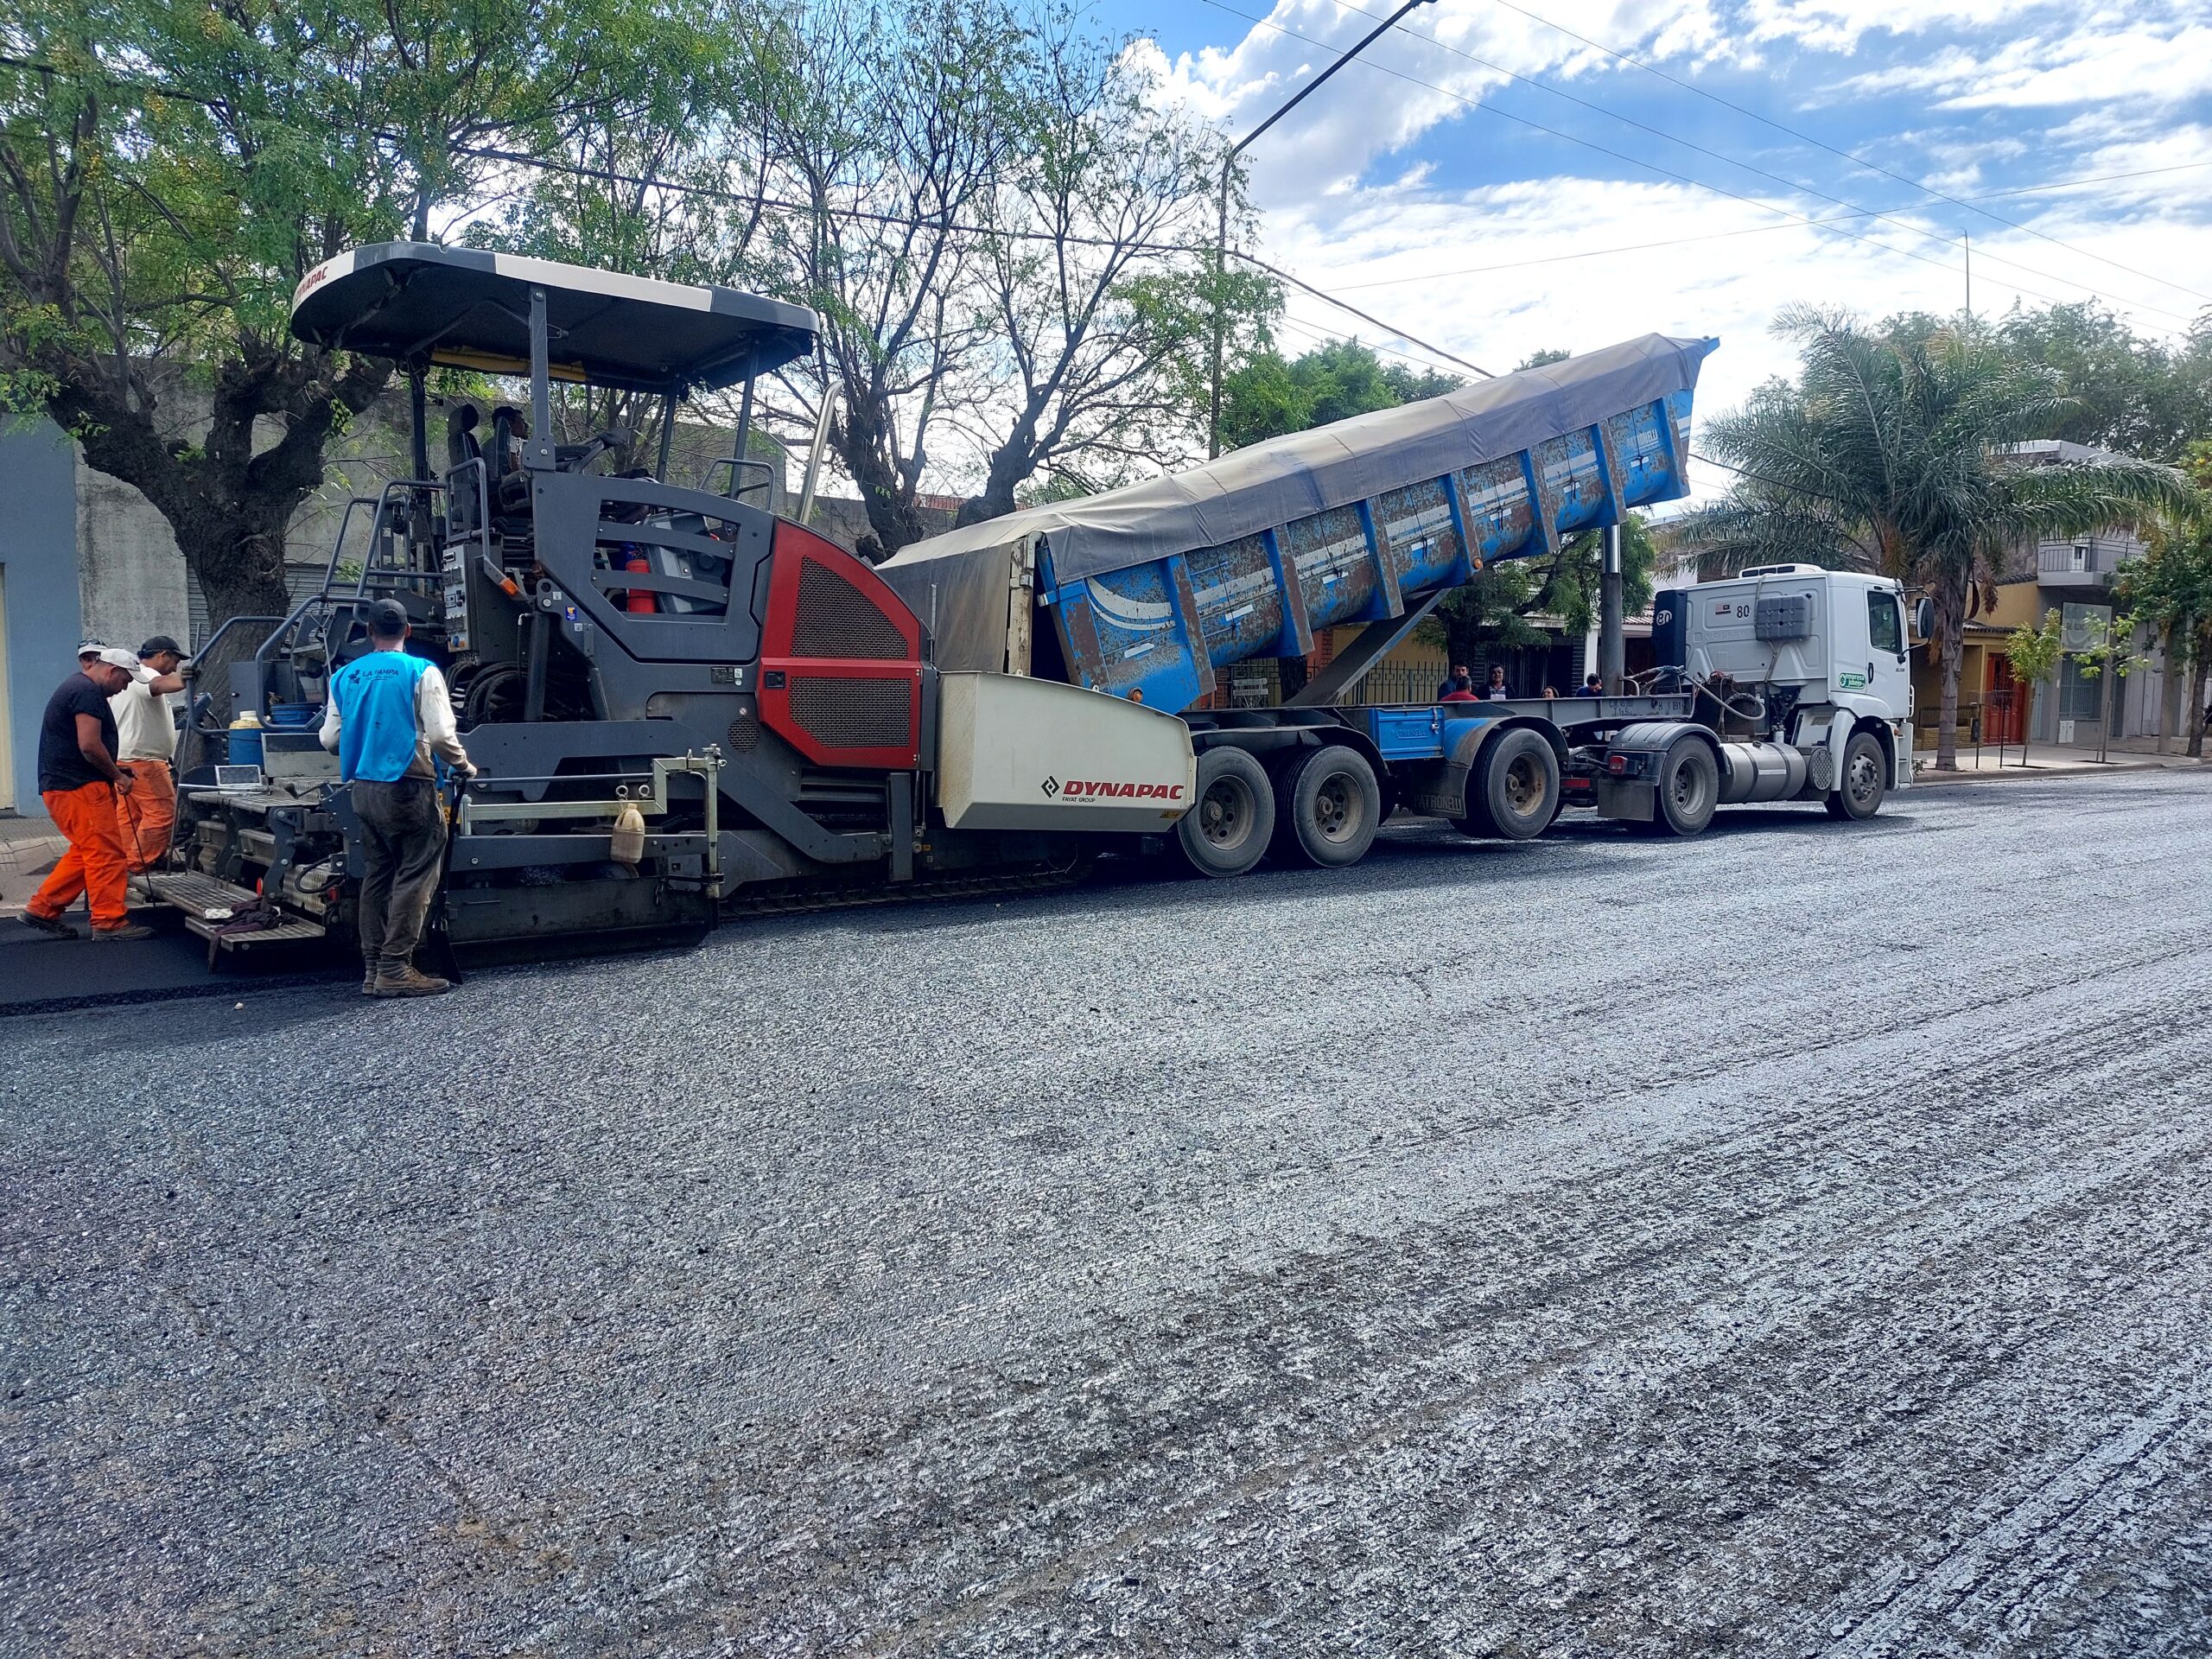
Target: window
[(2078, 557), (1884, 623)]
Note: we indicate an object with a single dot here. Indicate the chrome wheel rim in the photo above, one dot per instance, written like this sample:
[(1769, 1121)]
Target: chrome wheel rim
[(1866, 777)]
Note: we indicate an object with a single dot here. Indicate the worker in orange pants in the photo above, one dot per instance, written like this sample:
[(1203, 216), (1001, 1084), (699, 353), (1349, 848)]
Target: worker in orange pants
[(79, 781)]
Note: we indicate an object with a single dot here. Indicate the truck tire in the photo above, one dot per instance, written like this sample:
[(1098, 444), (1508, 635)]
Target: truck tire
[(1227, 829), (1689, 789), (1514, 796), (1327, 808), (1865, 782)]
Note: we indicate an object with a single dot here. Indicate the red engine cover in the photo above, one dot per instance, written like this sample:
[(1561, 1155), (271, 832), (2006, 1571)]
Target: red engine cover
[(840, 657)]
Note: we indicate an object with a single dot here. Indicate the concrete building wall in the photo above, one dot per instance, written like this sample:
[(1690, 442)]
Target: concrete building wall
[(38, 588), (129, 573)]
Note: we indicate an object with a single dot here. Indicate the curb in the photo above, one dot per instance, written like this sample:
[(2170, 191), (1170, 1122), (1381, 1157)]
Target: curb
[(1934, 779)]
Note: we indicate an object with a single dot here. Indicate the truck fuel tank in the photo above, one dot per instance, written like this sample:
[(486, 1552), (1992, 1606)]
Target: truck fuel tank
[(1752, 773)]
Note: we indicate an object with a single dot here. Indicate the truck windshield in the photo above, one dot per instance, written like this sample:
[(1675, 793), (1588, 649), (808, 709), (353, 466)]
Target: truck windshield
[(1884, 627)]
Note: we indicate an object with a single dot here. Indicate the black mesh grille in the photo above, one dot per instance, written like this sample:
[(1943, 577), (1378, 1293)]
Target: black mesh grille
[(745, 734), (853, 714), (837, 621)]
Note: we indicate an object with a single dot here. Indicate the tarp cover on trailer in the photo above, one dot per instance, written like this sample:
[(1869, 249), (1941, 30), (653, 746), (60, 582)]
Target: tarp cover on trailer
[(958, 582)]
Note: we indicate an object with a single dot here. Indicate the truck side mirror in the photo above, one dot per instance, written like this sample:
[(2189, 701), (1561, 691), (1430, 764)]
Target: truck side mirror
[(1924, 617)]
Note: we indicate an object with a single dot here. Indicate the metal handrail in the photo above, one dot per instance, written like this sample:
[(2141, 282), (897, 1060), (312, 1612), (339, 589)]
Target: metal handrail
[(737, 491)]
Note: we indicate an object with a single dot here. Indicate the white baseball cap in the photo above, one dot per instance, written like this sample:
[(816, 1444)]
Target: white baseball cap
[(117, 657)]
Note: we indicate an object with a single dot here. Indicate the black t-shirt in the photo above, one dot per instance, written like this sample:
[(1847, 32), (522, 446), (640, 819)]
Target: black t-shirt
[(61, 764)]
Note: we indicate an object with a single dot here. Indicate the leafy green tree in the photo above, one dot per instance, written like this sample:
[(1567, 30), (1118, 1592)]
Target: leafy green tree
[(170, 171), (2034, 654), (667, 181), (1890, 453), (1498, 608), (2136, 397), (1268, 395), (1099, 334), (2110, 656), (2170, 587)]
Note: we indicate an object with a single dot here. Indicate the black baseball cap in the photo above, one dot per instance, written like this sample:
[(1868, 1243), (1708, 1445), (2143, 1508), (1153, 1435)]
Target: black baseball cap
[(157, 644), (387, 618)]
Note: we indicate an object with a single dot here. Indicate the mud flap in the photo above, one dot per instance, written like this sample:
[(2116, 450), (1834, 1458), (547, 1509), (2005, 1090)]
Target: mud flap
[(1632, 800)]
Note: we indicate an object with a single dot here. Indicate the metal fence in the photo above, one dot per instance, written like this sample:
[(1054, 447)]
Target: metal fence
[(1395, 683), (1995, 721)]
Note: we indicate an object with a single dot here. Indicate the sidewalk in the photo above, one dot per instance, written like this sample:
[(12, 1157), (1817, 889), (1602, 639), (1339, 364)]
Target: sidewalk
[(29, 847), (2052, 762)]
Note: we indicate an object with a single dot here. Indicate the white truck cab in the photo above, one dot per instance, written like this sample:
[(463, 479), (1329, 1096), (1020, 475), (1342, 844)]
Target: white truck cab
[(1803, 675)]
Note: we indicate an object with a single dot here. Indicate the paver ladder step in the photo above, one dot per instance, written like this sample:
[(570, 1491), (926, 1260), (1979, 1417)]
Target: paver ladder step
[(197, 895), (210, 904)]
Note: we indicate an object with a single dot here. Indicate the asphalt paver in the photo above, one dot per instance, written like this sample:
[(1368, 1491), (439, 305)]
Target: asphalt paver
[(1792, 1241)]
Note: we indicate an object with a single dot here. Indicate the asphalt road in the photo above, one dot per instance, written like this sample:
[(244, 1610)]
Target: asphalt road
[(1792, 1242)]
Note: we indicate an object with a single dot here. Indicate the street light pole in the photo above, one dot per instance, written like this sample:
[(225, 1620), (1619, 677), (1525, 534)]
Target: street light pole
[(1227, 166)]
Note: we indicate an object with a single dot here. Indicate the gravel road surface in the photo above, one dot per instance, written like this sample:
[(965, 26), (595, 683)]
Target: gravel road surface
[(1790, 1242)]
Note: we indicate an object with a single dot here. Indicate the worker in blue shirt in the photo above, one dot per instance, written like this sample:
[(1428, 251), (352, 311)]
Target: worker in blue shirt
[(387, 716)]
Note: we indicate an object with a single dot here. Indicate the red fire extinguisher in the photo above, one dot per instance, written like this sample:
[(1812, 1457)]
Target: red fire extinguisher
[(640, 602)]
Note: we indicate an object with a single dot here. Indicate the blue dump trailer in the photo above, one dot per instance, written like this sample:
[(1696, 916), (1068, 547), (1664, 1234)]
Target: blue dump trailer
[(1142, 592), (1152, 587)]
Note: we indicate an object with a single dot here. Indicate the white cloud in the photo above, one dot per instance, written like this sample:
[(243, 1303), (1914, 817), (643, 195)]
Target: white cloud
[(1405, 83), (2153, 66)]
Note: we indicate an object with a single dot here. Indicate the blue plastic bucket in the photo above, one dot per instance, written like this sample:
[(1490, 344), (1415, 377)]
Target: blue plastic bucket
[(246, 745), (294, 716)]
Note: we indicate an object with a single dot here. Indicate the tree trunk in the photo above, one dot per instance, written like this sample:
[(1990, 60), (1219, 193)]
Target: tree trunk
[(2196, 711), (1011, 463), (863, 435), (2170, 686), (1946, 732)]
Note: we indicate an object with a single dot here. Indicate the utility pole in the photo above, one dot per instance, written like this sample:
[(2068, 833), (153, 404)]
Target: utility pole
[(1221, 237), (1612, 652), (1967, 242)]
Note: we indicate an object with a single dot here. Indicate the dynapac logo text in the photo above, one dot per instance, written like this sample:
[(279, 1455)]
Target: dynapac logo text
[(1099, 789)]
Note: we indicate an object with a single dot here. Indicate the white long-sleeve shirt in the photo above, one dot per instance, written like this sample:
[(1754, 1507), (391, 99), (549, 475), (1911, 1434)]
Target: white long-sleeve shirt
[(434, 731)]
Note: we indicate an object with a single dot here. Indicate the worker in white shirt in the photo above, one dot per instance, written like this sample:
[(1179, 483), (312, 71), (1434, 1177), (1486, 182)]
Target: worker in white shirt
[(147, 815)]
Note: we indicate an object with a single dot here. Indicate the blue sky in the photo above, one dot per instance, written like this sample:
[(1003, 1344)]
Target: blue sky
[(1405, 185)]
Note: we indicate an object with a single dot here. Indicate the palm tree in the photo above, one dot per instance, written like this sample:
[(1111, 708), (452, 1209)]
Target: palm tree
[(1891, 453)]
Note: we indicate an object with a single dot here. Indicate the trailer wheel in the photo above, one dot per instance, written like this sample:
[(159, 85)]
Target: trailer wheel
[(1327, 808), (1518, 791), (1689, 789), (1228, 825), (1859, 793)]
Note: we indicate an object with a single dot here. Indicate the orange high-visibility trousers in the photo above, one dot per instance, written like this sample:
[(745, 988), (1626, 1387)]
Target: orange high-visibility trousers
[(146, 816), (94, 862)]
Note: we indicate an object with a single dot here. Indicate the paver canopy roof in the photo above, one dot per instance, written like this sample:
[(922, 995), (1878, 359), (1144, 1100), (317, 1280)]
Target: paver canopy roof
[(469, 309)]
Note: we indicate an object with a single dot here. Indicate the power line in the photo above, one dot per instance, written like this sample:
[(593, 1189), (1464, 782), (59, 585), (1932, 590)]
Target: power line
[(1652, 167), (953, 228), (1727, 160), (1855, 160)]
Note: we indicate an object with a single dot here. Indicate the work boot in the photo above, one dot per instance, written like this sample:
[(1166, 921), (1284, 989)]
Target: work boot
[(408, 980), (369, 975), (128, 931), (52, 925)]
